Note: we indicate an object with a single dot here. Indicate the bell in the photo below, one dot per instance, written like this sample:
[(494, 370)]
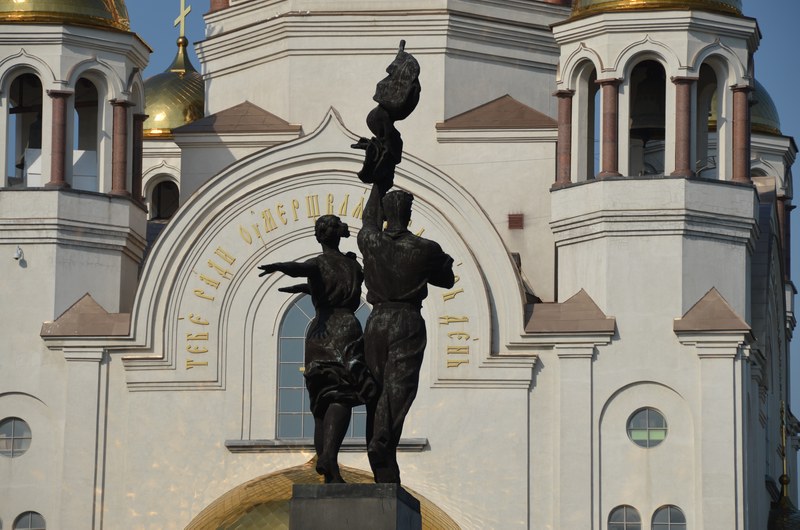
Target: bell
[(648, 102)]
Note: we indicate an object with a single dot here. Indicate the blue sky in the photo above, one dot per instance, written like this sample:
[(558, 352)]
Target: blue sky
[(777, 64)]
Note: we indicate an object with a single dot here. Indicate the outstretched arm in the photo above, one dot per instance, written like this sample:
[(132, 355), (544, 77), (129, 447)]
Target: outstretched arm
[(299, 288), (290, 268)]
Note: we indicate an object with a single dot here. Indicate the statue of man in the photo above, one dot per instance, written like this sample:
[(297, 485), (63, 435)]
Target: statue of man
[(398, 266), (335, 373)]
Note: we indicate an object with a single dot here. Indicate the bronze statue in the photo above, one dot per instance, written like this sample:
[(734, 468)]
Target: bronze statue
[(398, 266), (397, 96), (335, 373)]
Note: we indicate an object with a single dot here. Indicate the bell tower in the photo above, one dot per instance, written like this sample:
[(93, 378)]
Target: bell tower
[(71, 223)]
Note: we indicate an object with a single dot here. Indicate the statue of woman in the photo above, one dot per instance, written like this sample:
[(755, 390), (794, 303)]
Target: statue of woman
[(335, 372)]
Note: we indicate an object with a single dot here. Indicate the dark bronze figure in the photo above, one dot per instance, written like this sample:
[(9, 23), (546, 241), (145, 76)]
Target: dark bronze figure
[(397, 96), (335, 372), (398, 266)]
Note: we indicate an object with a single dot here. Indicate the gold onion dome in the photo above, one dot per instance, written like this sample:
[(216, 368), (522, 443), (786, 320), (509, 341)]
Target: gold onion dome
[(111, 14), (764, 118), (175, 97), (591, 7)]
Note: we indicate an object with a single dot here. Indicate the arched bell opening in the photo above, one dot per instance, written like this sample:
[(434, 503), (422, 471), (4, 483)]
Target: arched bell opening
[(586, 135), (708, 112), (85, 136), (24, 133), (164, 200), (647, 125)]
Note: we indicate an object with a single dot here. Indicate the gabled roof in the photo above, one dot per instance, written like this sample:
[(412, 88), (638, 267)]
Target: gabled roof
[(242, 118), (711, 313), (579, 314), (86, 318), (504, 112)]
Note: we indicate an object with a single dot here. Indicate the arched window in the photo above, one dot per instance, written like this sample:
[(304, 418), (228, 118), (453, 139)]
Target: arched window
[(648, 86), (24, 140), (294, 417), (164, 200), (84, 156), (30, 521), (624, 518), (669, 518)]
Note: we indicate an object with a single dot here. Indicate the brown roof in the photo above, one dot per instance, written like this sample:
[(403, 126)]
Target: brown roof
[(504, 112), (711, 313), (86, 318), (579, 314), (242, 118)]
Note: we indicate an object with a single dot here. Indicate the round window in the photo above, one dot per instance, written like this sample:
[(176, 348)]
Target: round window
[(15, 437), (647, 427)]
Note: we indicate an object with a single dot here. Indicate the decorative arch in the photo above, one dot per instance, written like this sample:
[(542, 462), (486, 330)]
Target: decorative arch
[(719, 55), (617, 451), (575, 64), (259, 210), (24, 62), (100, 73), (165, 169), (643, 50)]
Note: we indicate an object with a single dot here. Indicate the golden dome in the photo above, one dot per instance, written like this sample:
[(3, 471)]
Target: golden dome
[(175, 97), (264, 502), (764, 118), (591, 7), (98, 13)]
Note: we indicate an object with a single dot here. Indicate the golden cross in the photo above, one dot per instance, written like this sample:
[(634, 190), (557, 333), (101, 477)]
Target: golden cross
[(182, 17)]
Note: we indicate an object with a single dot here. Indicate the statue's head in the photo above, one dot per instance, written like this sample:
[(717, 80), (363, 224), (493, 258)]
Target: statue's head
[(329, 229), (397, 208)]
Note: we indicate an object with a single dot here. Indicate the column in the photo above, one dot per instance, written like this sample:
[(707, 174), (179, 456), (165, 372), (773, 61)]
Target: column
[(58, 149), (575, 478), (741, 134), (119, 155), (609, 162), (138, 150), (683, 126), (720, 466), (216, 5), (564, 145), (84, 436)]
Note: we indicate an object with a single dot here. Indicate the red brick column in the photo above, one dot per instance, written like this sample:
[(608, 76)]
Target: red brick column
[(58, 149), (138, 150), (683, 126), (119, 153), (741, 134), (609, 163), (216, 5), (564, 145)]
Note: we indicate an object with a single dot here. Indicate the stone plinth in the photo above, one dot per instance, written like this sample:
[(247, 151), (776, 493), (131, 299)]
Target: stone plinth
[(354, 507)]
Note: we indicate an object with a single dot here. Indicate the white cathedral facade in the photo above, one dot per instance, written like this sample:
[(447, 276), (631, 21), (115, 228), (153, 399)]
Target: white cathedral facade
[(609, 176)]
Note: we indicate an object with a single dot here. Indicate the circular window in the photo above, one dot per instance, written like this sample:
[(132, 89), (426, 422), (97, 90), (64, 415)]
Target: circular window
[(30, 521), (15, 437), (647, 427)]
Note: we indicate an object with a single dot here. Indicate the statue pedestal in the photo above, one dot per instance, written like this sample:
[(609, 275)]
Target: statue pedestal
[(353, 507)]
